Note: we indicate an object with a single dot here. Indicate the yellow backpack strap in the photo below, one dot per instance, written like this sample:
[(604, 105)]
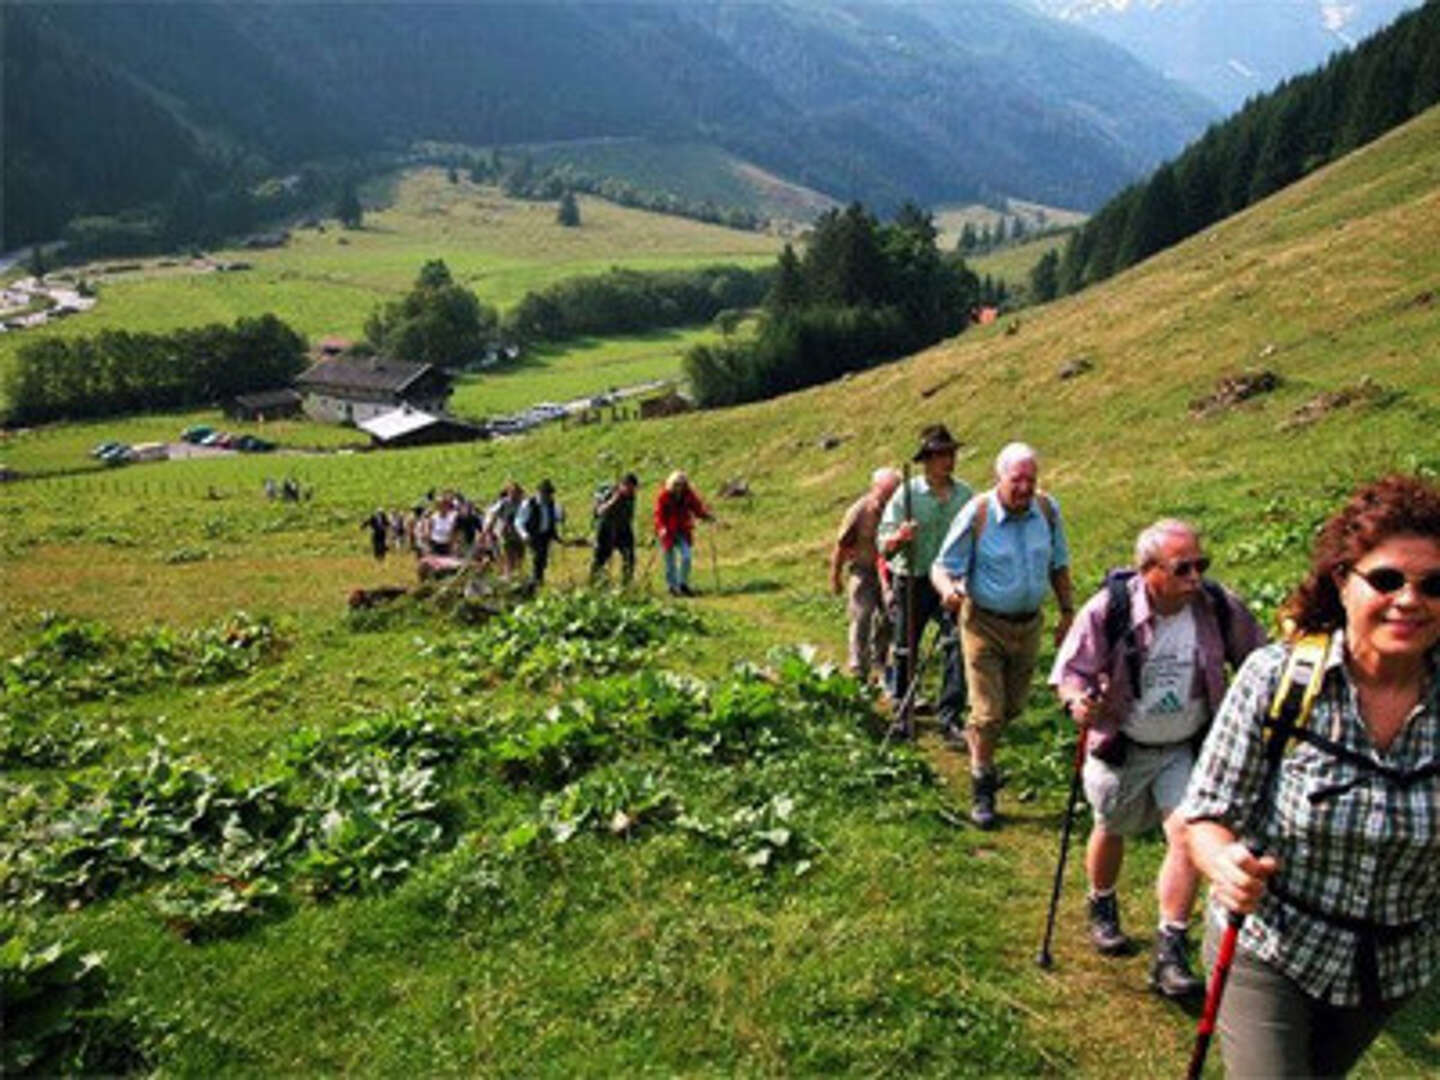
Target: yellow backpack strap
[(1295, 696)]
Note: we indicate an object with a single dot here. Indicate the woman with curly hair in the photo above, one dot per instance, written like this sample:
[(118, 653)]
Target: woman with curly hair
[(1344, 897)]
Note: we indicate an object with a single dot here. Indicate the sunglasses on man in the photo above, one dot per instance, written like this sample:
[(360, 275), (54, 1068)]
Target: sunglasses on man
[(1386, 580), (1186, 567)]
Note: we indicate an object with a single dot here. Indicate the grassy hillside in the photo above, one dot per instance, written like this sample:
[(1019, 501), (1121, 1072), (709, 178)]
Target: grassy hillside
[(693, 171), (906, 943), (1012, 265), (329, 282)]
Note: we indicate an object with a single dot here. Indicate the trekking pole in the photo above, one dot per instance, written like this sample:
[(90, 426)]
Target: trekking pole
[(1289, 710), (649, 565), (909, 698), (1219, 976), (1044, 959), (902, 714), (714, 561)]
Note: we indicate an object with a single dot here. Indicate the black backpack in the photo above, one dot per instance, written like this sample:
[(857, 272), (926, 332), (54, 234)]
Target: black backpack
[(1118, 628)]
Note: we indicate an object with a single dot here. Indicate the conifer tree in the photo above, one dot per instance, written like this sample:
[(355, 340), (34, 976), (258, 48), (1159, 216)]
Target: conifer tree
[(568, 213), (788, 292), (349, 210)]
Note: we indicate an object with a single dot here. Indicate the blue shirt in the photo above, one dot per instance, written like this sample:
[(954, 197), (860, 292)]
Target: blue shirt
[(1018, 551)]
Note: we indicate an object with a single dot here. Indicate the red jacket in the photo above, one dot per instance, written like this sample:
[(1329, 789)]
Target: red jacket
[(675, 515)]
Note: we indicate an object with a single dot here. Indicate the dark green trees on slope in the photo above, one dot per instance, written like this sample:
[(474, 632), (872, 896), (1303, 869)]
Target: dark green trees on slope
[(1274, 141), (438, 322), (862, 293), (118, 372)]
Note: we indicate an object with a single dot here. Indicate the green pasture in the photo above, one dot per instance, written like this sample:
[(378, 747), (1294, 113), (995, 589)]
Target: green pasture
[(1013, 264), (576, 369), (696, 171), (329, 282), (564, 372), (695, 943)]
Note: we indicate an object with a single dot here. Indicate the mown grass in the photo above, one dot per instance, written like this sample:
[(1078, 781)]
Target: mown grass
[(576, 369), (1013, 264), (329, 282), (909, 947), (694, 171)]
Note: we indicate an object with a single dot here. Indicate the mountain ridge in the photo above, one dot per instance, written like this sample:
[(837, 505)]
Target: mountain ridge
[(881, 102)]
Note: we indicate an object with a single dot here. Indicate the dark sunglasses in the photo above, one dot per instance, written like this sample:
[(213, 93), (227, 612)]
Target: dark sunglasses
[(1184, 567), (1386, 580)]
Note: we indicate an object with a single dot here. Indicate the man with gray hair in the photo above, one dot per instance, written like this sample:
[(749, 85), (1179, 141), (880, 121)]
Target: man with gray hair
[(1005, 550), (1143, 669), (855, 548)]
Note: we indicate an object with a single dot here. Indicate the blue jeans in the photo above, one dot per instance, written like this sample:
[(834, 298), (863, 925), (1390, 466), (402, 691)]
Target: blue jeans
[(677, 563)]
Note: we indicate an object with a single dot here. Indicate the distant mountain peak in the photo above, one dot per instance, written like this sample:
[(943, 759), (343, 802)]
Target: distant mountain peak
[(1229, 50)]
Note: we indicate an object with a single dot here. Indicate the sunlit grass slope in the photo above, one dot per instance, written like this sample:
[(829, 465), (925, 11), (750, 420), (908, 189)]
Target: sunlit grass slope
[(909, 947), (330, 282)]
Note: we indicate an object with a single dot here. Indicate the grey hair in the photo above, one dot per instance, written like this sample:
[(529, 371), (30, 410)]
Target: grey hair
[(884, 474), (1152, 538), (1012, 454)]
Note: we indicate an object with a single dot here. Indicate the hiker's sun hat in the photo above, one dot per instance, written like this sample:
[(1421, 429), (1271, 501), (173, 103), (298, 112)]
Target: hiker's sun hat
[(935, 439)]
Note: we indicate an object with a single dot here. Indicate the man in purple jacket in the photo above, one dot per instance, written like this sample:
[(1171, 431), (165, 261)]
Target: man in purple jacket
[(1143, 667)]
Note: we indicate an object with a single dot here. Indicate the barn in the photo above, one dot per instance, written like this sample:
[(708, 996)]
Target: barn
[(407, 426)]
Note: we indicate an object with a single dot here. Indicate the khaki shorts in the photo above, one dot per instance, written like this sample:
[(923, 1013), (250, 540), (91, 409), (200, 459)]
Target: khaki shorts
[(1130, 798), (999, 661)]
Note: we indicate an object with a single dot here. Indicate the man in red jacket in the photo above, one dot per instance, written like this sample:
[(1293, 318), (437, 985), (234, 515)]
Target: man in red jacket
[(676, 508)]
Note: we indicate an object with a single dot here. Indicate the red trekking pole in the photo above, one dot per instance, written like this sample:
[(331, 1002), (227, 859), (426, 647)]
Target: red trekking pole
[(1289, 712), (1219, 976)]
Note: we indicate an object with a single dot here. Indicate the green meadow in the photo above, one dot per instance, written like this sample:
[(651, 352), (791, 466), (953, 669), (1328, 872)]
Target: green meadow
[(574, 839), (329, 282)]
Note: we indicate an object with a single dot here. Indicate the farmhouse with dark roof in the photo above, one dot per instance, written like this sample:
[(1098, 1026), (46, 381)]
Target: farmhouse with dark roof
[(350, 390)]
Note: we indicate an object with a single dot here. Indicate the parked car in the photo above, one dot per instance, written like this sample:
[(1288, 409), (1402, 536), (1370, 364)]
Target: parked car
[(119, 454), (253, 444), (101, 449), (150, 451), (196, 433)]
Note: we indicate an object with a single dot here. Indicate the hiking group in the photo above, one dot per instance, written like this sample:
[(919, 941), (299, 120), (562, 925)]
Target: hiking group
[(446, 531), (1314, 816)]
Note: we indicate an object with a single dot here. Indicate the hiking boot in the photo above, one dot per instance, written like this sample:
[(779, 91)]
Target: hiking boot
[(685, 590), (1170, 974), (982, 806), (1105, 932)]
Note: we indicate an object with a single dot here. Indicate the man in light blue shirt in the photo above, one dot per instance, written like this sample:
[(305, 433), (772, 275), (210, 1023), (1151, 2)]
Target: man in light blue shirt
[(1005, 550)]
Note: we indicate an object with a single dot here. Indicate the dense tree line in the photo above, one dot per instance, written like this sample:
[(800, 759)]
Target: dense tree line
[(1275, 140), (203, 209), (624, 301), (117, 372), (862, 293)]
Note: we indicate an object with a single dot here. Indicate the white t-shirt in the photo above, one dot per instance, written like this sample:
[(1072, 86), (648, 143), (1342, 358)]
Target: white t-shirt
[(442, 526), (1169, 709)]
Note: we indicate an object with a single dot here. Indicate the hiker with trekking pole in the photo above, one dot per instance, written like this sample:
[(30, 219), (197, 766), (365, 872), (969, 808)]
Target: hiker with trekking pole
[(677, 506), (1315, 815), (911, 529), (1142, 671), (614, 514), (1005, 550), (856, 558)]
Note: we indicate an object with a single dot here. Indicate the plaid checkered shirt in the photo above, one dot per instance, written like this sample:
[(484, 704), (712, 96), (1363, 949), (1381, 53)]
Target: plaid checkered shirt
[(1354, 844)]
